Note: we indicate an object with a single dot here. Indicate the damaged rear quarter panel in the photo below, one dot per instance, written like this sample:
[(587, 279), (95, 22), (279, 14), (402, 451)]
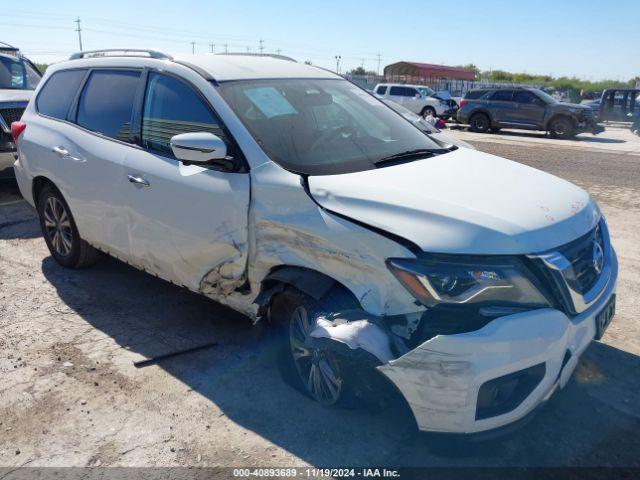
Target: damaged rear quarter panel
[(290, 229)]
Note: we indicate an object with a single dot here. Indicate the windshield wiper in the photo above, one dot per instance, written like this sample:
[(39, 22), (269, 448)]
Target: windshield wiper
[(409, 155)]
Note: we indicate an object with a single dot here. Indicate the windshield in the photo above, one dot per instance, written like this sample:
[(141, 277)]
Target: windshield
[(426, 91), (321, 127), (545, 96), (417, 120), (16, 74)]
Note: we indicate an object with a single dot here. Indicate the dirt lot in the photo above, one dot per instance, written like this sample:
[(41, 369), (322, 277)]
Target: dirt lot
[(70, 395)]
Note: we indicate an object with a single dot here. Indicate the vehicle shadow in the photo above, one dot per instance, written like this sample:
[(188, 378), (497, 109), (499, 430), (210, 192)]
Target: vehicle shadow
[(16, 215), (584, 137), (584, 425)]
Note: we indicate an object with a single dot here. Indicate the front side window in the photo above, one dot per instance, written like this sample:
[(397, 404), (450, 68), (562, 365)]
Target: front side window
[(381, 90), (321, 127), (16, 74), (526, 98), (172, 107), (106, 103), (55, 97), (502, 96)]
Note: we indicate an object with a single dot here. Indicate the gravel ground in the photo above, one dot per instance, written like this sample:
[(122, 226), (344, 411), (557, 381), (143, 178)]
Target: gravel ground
[(70, 395)]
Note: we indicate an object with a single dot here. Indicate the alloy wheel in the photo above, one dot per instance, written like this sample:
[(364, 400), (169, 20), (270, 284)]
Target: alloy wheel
[(57, 224), (316, 367)]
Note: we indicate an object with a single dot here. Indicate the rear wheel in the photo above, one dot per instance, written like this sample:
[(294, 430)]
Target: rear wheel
[(561, 127), (60, 232), (479, 123)]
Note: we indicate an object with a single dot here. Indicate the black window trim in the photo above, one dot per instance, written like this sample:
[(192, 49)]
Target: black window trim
[(136, 123)]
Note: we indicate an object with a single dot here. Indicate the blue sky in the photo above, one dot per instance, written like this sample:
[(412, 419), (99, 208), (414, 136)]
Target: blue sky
[(590, 39)]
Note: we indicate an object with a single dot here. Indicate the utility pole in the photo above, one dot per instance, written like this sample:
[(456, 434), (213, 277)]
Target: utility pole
[(226, 48), (79, 30), (278, 51), (193, 47), (338, 58), (248, 48), (261, 46), (213, 47), (362, 64), (378, 64)]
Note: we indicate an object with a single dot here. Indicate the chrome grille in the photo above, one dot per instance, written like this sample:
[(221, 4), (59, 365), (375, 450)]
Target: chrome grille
[(586, 256), (580, 270)]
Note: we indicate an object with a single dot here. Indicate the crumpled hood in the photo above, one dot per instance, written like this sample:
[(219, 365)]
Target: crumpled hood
[(10, 95), (463, 202)]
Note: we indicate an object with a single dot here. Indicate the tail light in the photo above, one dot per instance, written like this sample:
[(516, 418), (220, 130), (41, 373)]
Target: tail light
[(463, 103), (16, 129)]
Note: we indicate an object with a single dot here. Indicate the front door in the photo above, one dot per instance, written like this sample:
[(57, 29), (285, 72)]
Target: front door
[(187, 224), (529, 109)]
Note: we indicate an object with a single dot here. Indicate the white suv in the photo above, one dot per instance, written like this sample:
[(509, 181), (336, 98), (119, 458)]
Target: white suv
[(417, 98), (471, 282)]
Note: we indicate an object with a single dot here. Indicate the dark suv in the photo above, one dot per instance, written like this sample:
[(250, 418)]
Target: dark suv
[(525, 108)]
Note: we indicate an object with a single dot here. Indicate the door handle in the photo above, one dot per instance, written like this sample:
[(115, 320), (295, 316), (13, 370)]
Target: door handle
[(64, 153), (137, 179), (61, 151)]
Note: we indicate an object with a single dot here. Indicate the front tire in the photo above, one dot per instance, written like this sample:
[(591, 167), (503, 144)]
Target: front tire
[(480, 123), (561, 127), (60, 232), (316, 369)]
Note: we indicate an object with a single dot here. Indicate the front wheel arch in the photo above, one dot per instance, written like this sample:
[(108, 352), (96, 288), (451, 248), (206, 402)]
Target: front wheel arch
[(315, 284)]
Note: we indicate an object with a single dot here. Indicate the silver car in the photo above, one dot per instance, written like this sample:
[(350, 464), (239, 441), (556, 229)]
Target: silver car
[(18, 78)]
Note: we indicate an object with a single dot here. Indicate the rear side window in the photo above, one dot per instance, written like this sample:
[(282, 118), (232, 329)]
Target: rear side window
[(57, 94), (106, 103), (381, 90), (403, 91), (502, 95), (172, 107)]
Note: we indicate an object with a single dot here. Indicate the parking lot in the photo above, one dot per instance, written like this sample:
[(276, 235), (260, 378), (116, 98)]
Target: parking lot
[(71, 396)]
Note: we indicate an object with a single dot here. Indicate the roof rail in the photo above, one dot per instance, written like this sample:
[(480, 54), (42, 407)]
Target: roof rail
[(6, 46), (252, 54), (121, 52)]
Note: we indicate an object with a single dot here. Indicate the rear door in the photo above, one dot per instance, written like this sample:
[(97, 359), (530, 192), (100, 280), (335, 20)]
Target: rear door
[(501, 107), (529, 109), (187, 224), (95, 155), (80, 140)]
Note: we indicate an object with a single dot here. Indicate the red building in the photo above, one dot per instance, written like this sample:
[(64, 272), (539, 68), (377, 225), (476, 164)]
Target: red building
[(438, 77)]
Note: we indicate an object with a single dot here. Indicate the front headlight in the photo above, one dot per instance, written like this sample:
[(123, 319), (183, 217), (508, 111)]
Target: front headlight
[(459, 279)]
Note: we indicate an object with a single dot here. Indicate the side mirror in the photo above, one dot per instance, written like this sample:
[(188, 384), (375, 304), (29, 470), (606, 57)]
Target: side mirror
[(198, 148)]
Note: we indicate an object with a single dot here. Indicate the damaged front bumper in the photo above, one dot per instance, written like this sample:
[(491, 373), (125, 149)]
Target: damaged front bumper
[(454, 383), (482, 380)]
